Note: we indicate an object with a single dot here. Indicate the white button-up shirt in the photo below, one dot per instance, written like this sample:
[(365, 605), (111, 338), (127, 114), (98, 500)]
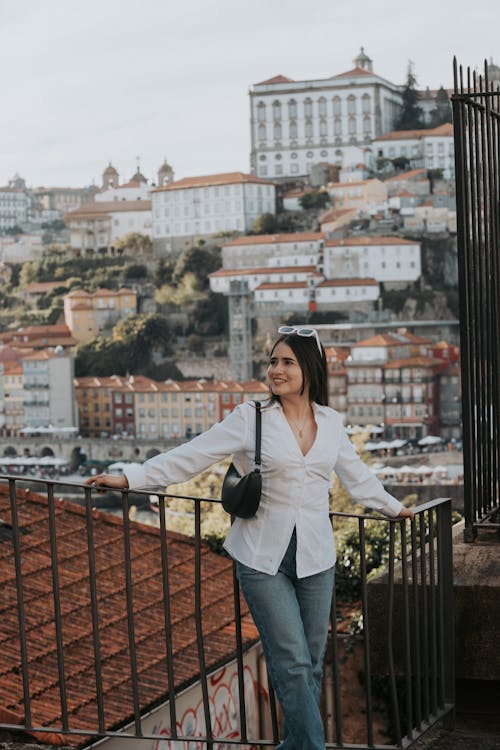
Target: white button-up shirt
[(294, 487)]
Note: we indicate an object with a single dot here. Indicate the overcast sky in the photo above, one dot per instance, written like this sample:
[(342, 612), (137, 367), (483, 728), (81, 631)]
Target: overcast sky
[(84, 83)]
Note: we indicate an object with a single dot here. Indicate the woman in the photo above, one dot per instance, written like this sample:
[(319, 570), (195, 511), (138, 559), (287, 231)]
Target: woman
[(285, 555)]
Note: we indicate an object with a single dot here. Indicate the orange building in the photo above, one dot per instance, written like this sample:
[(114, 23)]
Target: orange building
[(87, 315)]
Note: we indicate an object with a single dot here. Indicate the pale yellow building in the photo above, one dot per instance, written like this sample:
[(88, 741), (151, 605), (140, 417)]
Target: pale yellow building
[(364, 194), (88, 315)]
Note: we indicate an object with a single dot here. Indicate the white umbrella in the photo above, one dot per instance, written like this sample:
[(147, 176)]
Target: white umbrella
[(406, 470), (430, 440), (423, 470), (397, 443)]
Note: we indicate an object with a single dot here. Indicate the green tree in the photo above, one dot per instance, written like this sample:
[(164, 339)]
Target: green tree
[(134, 244), (264, 224), (199, 260), (411, 114), (442, 111), (316, 199)]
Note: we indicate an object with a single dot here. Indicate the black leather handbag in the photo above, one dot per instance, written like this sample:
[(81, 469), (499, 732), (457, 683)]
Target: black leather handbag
[(241, 494)]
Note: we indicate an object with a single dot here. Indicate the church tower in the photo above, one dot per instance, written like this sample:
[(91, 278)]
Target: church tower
[(165, 174), (363, 61), (110, 178)]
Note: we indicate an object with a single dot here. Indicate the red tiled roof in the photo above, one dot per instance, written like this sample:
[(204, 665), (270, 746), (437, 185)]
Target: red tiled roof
[(282, 285), (369, 240), (412, 362), (275, 79), (355, 72), (226, 178), (266, 239), (88, 210), (381, 339), (263, 270), (401, 135), (76, 616), (420, 173), (349, 282)]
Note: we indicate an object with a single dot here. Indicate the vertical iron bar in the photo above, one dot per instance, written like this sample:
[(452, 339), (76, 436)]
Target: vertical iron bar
[(239, 657), (57, 606), (416, 627), (199, 627), (366, 632), (130, 614), (20, 603), (432, 612), (274, 711), (335, 670), (425, 618), (167, 617), (446, 604), (407, 633), (465, 292), (94, 608), (390, 624)]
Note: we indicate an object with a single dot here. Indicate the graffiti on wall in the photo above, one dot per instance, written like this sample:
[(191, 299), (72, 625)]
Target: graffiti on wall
[(224, 710)]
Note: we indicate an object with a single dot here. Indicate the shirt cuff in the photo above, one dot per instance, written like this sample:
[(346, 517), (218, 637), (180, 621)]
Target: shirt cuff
[(394, 507), (136, 476)]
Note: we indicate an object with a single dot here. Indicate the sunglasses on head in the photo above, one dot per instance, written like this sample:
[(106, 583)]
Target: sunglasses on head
[(301, 331)]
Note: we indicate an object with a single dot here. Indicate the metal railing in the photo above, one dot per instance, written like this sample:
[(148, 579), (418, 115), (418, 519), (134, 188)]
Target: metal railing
[(476, 118), (404, 646)]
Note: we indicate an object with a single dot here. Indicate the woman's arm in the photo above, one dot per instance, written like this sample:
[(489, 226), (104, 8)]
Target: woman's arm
[(363, 485), (187, 460)]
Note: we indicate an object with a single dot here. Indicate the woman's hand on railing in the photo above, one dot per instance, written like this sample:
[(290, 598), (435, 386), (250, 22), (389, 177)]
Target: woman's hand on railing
[(406, 513), (111, 481)]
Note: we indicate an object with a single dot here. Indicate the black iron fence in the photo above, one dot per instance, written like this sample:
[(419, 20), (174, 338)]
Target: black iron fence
[(476, 115), (107, 629)]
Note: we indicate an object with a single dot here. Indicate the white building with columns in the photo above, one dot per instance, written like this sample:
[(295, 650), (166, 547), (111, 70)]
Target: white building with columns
[(295, 124)]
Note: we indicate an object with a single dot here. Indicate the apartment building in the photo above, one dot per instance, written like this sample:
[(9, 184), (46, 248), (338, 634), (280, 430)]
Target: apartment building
[(49, 396), (432, 148), (88, 314), (368, 195), (295, 249), (148, 409), (13, 398)]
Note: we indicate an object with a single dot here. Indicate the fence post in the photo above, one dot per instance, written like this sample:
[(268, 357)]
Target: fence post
[(446, 605)]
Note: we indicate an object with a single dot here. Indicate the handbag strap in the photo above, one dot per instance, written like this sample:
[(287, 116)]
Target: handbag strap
[(258, 432)]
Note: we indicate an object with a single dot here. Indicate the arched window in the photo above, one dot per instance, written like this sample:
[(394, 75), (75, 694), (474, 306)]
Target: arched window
[(309, 129), (351, 105), (323, 131), (293, 129), (337, 105), (322, 106), (292, 109), (308, 107), (276, 110), (277, 131), (365, 104), (261, 112), (366, 124), (262, 132), (352, 125), (337, 126)]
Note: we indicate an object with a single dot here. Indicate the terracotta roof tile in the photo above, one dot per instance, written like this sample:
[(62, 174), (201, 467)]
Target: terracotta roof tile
[(349, 282), (412, 362), (368, 240), (275, 79), (355, 72), (74, 589), (226, 178), (267, 239), (410, 175)]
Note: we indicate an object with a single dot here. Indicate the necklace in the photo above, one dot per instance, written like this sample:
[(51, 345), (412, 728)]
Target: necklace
[(299, 427)]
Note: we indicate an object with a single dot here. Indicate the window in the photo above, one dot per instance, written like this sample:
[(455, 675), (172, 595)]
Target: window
[(308, 107), (309, 129), (277, 131), (293, 129), (262, 132), (276, 110), (261, 112), (351, 105), (322, 106), (337, 105), (292, 109), (323, 129)]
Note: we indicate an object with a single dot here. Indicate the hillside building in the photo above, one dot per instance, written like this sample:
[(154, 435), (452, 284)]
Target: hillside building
[(88, 315), (296, 124), (197, 207)]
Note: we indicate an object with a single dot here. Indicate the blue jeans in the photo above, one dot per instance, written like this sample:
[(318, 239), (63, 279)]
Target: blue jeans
[(292, 615)]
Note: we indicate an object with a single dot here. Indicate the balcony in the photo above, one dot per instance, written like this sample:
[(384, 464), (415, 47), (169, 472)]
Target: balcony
[(111, 629)]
